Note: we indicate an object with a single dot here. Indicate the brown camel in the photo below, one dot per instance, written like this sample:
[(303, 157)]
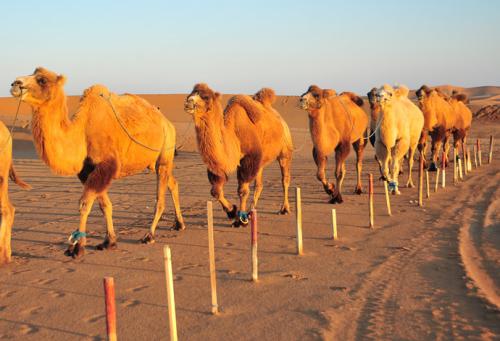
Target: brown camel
[(6, 171), (375, 113), (335, 122), (246, 137), (109, 137)]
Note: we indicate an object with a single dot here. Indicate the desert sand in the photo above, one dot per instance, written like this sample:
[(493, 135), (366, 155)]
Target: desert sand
[(428, 272)]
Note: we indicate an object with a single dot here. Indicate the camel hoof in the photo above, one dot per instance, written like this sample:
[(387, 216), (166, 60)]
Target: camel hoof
[(75, 251), (178, 226), (358, 190), (396, 192), (336, 198), (232, 214), (383, 178), (284, 210), (410, 185), (238, 223), (107, 245), (329, 189), (148, 238), (432, 167)]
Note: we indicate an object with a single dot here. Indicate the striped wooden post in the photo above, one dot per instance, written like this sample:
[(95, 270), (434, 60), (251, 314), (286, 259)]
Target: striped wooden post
[(443, 171), (253, 239), (427, 185), (387, 199), (109, 297), (211, 256), (455, 167), (479, 158), (437, 179)]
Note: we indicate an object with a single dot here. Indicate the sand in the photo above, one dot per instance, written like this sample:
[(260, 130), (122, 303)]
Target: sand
[(424, 273)]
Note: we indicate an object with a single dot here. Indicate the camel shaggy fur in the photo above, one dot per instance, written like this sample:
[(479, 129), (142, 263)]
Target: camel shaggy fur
[(399, 129), (335, 122), (463, 120), (245, 137), (109, 137), (7, 210)]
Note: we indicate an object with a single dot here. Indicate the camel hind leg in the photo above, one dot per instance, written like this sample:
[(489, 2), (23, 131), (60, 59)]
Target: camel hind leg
[(107, 210), (411, 155), (341, 153), (247, 171), (257, 190), (321, 162), (359, 148), (7, 212), (285, 165)]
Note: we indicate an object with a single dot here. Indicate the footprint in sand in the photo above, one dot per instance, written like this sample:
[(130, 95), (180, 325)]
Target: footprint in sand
[(43, 281), (189, 266), (32, 311), (7, 293), (28, 329), (139, 288), (2, 308), (94, 318), (228, 244), (295, 275), (56, 294), (228, 271), (130, 303), (17, 272)]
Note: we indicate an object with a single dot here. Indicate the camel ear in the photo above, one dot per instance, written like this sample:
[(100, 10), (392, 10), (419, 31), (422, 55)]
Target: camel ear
[(217, 95), (61, 80)]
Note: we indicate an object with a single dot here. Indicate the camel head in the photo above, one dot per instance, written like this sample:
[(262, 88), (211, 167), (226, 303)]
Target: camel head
[(423, 93), (372, 98), (315, 97), (202, 100), (265, 96), (384, 94), (40, 87)]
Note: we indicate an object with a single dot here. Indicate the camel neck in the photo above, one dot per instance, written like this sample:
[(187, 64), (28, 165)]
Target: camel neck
[(218, 145), (59, 141)]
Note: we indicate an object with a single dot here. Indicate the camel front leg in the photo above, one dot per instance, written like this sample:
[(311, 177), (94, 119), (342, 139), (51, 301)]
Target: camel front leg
[(217, 192), (341, 153), (7, 217), (257, 190), (422, 145), (285, 165), (107, 209), (321, 161), (382, 157), (359, 148), (409, 183), (78, 238)]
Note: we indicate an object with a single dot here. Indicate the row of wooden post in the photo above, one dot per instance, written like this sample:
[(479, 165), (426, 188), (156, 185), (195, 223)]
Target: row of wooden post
[(109, 289)]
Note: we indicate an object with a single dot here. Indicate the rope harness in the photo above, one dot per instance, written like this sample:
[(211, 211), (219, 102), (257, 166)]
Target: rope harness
[(75, 236)]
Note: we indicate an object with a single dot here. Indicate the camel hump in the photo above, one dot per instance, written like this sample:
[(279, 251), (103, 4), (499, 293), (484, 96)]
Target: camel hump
[(95, 90), (402, 91), (250, 106), (353, 97), (266, 96), (13, 176), (461, 98)]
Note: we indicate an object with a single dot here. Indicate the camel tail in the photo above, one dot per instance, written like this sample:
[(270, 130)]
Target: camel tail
[(13, 176), (355, 98)]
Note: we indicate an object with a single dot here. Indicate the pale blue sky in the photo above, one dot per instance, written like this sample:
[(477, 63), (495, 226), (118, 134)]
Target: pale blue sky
[(239, 46)]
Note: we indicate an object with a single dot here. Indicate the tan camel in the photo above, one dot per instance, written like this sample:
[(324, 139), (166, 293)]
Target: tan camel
[(246, 137), (399, 129), (463, 120), (6, 171), (335, 122), (109, 137), (439, 120)]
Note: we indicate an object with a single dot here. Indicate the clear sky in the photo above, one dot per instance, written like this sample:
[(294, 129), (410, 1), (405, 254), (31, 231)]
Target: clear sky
[(239, 46)]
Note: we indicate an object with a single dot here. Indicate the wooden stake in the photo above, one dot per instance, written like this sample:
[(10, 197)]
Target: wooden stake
[(420, 181), (466, 163), (211, 256), (474, 150), (334, 224), (253, 232), (460, 174), (109, 297), (490, 155), (479, 153), (167, 257), (443, 170), (300, 250), (437, 180), (469, 162), (370, 199), (387, 199), (428, 191)]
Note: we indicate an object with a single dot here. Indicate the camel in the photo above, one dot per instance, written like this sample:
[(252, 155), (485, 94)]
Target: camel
[(375, 113), (246, 137), (109, 137), (335, 122), (439, 120), (463, 120), (7, 171), (399, 129)]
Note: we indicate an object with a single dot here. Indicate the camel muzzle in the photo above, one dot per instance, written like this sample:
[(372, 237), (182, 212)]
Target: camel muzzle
[(17, 89)]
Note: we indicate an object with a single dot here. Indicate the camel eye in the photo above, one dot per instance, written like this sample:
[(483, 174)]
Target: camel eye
[(316, 96), (205, 98), (41, 81)]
